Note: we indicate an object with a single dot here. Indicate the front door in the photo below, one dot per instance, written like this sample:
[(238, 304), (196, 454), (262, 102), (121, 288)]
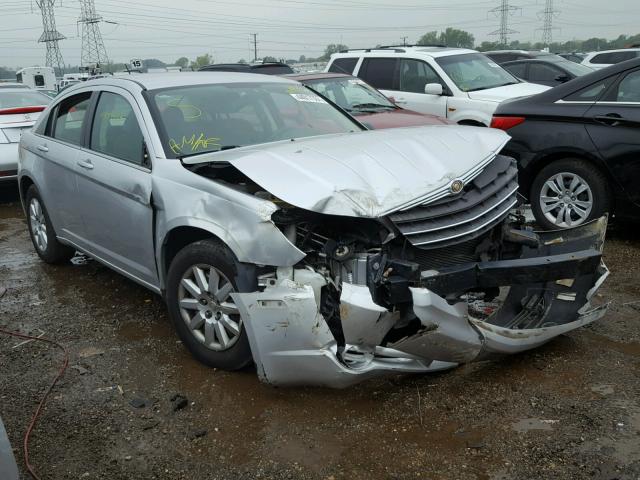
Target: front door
[(114, 187), (614, 126), (412, 78)]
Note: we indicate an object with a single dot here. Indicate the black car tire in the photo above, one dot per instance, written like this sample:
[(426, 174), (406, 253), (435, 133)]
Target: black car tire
[(594, 178), (212, 254), (53, 251)]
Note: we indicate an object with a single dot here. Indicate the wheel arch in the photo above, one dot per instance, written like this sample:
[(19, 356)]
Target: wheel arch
[(23, 185), (528, 174)]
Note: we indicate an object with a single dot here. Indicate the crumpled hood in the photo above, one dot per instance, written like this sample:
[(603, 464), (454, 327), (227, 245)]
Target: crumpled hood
[(365, 174), (500, 94)]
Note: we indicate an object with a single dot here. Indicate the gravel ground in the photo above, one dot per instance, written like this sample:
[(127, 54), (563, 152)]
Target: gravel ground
[(569, 410)]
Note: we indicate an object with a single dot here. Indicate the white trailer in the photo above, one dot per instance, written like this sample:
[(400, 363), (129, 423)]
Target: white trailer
[(38, 78)]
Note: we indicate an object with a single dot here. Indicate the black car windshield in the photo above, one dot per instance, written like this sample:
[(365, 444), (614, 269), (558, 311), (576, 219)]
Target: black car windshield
[(474, 71), (352, 94), (574, 68), (22, 98), (199, 119)]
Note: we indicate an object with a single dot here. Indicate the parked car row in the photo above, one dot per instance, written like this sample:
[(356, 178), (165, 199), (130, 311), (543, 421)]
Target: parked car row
[(282, 231)]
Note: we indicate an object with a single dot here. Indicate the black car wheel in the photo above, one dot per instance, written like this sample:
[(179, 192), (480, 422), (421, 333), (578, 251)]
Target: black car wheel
[(41, 231), (568, 193), (199, 286)]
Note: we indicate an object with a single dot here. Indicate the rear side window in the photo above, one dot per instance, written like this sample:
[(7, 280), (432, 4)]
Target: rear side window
[(591, 93), (70, 118), (116, 131), (613, 57), (517, 69), (379, 72), (343, 65)]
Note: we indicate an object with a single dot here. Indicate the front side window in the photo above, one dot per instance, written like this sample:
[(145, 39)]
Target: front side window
[(517, 69), (70, 118), (209, 118), (629, 88), (39, 80), (473, 71), (540, 72), (613, 57), (379, 72), (415, 74), (343, 65), (352, 94), (116, 131)]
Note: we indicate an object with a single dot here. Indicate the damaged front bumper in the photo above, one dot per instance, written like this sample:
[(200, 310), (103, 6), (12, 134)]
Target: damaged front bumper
[(542, 294)]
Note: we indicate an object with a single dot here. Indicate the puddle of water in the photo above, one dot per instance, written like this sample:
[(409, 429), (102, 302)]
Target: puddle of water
[(529, 424)]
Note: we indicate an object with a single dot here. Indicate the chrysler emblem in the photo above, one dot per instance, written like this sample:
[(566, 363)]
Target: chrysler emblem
[(456, 186)]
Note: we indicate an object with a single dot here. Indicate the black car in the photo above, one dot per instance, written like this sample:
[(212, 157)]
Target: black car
[(268, 68), (578, 146), (503, 56), (546, 72), (574, 57)]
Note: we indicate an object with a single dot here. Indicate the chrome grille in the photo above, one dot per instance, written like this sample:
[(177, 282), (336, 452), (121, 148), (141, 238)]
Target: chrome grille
[(483, 204)]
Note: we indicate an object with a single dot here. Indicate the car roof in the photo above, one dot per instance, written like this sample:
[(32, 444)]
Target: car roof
[(154, 81), (7, 85), (433, 52), (526, 52), (300, 77), (579, 83)]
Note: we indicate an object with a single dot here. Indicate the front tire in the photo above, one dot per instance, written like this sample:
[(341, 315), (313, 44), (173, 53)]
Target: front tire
[(42, 234), (568, 193), (200, 281)]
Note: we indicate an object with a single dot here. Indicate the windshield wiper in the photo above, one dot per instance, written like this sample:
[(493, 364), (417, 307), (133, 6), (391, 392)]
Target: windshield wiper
[(492, 86), (361, 106), (194, 154)]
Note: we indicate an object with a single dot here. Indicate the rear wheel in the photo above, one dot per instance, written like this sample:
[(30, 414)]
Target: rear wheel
[(41, 231), (568, 193), (199, 286)]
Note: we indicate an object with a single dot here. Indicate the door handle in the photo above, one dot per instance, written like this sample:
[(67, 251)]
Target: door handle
[(43, 148), (86, 164), (612, 119)]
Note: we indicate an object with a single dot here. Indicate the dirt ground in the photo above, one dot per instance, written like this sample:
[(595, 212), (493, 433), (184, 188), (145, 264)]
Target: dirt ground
[(569, 410)]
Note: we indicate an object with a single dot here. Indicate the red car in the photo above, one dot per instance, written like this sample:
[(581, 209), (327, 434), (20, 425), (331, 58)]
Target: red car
[(361, 100)]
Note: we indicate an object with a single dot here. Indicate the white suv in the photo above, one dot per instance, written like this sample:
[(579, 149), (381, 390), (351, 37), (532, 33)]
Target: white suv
[(462, 85), (607, 58)]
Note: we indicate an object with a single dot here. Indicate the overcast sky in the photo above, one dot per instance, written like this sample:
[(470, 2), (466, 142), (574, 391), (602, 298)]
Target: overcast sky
[(168, 29)]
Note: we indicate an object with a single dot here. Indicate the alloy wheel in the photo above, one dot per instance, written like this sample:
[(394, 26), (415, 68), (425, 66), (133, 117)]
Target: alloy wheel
[(38, 225), (206, 307), (566, 199)]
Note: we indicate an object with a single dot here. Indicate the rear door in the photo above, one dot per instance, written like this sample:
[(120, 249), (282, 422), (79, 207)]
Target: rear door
[(614, 127), (57, 149), (114, 187)]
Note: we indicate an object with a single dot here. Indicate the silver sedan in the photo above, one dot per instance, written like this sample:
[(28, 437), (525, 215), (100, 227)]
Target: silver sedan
[(283, 233)]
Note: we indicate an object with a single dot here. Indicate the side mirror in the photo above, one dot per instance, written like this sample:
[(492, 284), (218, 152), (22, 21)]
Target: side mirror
[(562, 78), (433, 89), (392, 99)]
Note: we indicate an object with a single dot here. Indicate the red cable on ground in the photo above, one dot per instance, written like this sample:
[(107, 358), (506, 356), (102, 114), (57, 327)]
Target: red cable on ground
[(36, 414)]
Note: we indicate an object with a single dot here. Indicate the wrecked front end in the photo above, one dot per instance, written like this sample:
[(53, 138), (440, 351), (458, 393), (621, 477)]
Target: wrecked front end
[(422, 289)]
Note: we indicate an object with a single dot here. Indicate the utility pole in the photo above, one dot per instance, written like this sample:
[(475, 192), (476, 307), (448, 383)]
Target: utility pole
[(50, 36), (93, 49), (404, 41), (547, 16), (504, 11), (255, 47)]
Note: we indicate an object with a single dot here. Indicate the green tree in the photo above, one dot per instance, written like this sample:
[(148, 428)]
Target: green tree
[(453, 37), (331, 49), (429, 38), (242, 60), (182, 62), (202, 61), (302, 59), (269, 59)]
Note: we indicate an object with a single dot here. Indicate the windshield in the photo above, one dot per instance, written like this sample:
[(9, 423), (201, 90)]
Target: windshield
[(351, 94), (474, 71), (209, 118), (22, 98), (575, 68)]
